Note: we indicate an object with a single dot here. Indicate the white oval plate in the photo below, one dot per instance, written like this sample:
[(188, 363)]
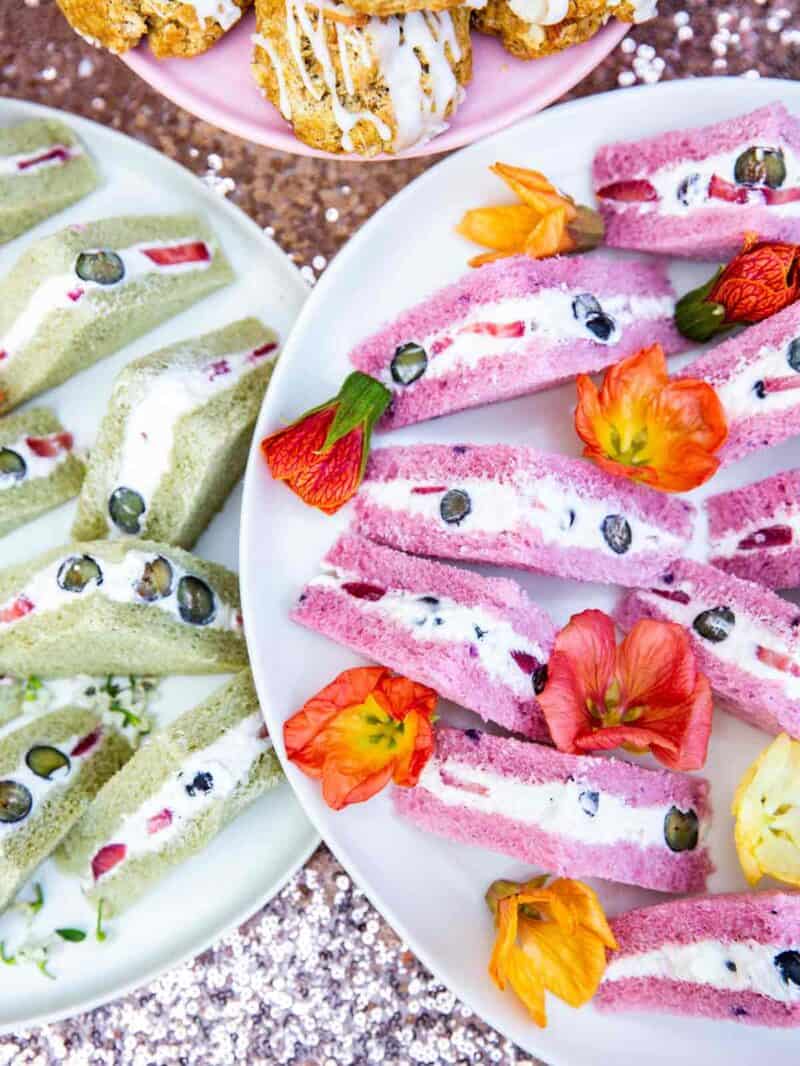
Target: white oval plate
[(252, 859), (431, 890)]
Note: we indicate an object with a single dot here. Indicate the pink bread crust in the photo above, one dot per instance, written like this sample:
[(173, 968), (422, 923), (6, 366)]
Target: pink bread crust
[(766, 917), (629, 863), (540, 365), (728, 359), (448, 668), (522, 548), (748, 509), (713, 232), (760, 702)]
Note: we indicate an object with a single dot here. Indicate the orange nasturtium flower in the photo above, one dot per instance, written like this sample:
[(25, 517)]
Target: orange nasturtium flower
[(549, 938), (363, 730), (761, 280), (646, 694), (546, 222), (643, 426), (322, 456), (767, 811)]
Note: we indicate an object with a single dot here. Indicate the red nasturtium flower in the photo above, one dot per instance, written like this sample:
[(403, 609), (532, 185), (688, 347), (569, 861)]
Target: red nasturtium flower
[(645, 694), (643, 426), (761, 280), (322, 455), (363, 730)]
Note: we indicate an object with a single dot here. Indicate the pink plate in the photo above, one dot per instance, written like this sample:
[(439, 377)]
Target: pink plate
[(218, 87)]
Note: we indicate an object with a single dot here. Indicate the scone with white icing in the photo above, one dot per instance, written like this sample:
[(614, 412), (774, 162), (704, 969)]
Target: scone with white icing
[(172, 27), (352, 83), (119, 607), (38, 467), (175, 795), (533, 28), (176, 436)]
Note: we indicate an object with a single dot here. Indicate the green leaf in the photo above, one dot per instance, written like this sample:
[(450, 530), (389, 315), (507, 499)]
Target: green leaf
[(9, 960), (33, 685), (99, 931), (699, 318), (74, 936), (361, 402), (42, 968)]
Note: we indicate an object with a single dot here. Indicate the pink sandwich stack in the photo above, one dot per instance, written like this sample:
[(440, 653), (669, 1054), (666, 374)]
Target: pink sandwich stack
[(732, 957), (516, 327), (757, 377), (745, 638), (695, 193), (754, 531), (571, 815), (478, 641), (515, 506)]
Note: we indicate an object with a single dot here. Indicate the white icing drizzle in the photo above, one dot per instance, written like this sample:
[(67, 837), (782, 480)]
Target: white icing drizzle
[(223, 12), (285, 104), (540, 12)]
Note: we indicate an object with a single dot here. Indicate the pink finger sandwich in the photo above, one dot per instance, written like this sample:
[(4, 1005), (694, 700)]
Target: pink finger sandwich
[(732, 957), (695, 193), (515, 506), (478, 641), (574, 815), (746, 639), (756, 375), (517, 327), (754, 531)]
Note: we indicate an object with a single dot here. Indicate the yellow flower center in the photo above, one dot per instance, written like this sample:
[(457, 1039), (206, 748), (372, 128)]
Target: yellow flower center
[(370, 735)]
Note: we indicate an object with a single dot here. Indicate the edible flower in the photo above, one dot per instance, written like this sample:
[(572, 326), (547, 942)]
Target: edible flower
[(761, 280), (767, 812), (546, 222), (644, 695), (549, 938), (322, 456), (642, 426), (363, 730)]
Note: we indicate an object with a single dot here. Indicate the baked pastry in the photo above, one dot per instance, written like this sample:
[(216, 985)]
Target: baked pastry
[(174, 796), (44, 167), (38, 467), (176, 435), (515, 327), (87, 290), (119, 607), (172, 27), (573, 815), (516, 506), (530, 29), (350, 83)]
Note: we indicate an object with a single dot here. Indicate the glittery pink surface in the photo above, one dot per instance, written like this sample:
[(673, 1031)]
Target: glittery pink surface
[(316, 978)]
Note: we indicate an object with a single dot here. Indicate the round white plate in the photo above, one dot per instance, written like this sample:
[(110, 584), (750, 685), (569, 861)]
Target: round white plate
[(431, 890), (253, 858)]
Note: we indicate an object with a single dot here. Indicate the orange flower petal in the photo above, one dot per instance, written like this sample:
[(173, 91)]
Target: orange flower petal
[(549, 236), (507, 924), (299, 444), (534, 189), (487, 257), (527, 984), (655, 664), (504, 228)]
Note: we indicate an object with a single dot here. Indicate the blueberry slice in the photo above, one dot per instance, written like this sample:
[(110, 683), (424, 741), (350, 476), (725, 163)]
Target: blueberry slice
[(681, 830), (44, 761), (156, 580), (196, 603), (602, 326), (77, 572), (15, 801), (409, 364), (202, 782), (617, 533), (584, 305), (589, 802), (455, 506), (126, 508), (12, 466), (690, 191), (102, 267), (539, 679), (788, 963), (715, 624), (793, 355)]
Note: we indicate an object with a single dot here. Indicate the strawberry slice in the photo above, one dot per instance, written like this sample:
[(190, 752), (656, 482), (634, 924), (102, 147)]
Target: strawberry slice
[(496, 329), (363, 591), (86, 743), (49, 447), (263, 733), (259, 353), (777, 660), (427, 490), (719, 189), (775, 197), (527, 663), (17, 609), (59, 152), (770, 537), (75, 294), (441, 345), (107, 858), (191, 252), (218, 369), (465, 786), (672, 594), (3, 354), (159, 821), (777, 385), (635, 191)]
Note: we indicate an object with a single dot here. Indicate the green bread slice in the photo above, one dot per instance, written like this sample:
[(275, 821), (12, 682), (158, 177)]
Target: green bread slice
[(54, 323), (31, 192), (204, 396), (45, 481), (12, 691), (107, 626), (146, 809), (58, 802)]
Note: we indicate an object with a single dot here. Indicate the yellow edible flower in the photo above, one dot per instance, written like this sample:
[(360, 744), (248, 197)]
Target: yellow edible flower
[(767, 811)]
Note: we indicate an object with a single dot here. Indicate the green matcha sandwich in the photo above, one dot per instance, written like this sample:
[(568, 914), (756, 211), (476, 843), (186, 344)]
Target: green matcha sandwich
[(88, 290), (44, 168), (12, 692), (38, 467), (184, 785), (50, 770), (119, 607), (176, 436)]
